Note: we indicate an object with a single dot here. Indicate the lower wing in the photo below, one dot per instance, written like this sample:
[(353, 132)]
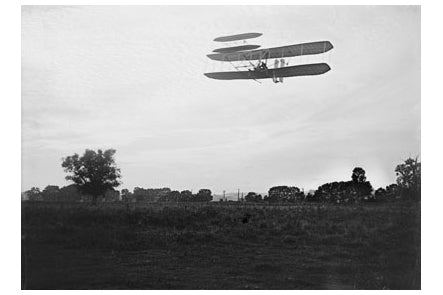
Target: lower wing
[(292, 71)]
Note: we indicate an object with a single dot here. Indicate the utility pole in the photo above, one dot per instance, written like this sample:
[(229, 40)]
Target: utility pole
[(238, 195), (224, 198)]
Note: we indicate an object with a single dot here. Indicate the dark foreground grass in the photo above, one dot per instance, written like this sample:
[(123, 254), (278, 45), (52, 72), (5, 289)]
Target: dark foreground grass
[(373, 246)]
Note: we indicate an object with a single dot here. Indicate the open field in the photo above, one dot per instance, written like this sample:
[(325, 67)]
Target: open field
[(366, 246)]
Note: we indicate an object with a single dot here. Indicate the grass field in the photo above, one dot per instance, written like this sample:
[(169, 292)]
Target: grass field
[(367, 246)]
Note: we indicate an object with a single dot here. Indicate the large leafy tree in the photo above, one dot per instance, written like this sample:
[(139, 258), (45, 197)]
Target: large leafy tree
[(94, 172), (409, 177)]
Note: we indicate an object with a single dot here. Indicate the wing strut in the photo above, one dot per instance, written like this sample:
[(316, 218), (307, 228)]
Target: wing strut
[(236, 68)]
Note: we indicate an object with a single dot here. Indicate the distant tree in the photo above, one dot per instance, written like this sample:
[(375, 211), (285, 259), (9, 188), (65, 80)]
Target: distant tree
[(409, 178), (34, 194), (358, 175), (250, 197), (111, 195), (380, 193), (336, 192), (142, 195), (185, 196), (150, 194), (345, 191), (253, 197), (363, 187), (51, 193), (312, 196), (172, 196), (126, 195), (284, 194), (70, 193), (203, 195), (392, 191), (94, 172)]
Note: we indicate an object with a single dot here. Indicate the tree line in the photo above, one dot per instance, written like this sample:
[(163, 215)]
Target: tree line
[(95, 176), (73, 193), (357, 189)]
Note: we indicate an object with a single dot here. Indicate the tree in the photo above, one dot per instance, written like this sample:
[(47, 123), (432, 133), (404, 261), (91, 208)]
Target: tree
[(126, 195), (284, 194), (358, 175), (185, 196), (94, 172), (345, 191), (150, 194), (34, 194), (203, 195), (409, 178), (70, 193), (363, 187), (111, 195), (172, 196), (336, 192), (253, 197), (51, 193), (389, 193), (392, 191), (380, 193)]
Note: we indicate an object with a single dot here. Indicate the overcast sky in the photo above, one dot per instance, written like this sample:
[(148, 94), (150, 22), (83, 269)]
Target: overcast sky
[(131, 78)]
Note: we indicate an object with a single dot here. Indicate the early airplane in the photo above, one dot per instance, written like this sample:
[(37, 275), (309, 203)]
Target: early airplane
[(260, 70)]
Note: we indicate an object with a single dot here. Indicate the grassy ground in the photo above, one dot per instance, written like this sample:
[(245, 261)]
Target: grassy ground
[(370, 246)]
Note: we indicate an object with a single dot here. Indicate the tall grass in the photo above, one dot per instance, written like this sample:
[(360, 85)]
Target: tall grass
[(380, 240)]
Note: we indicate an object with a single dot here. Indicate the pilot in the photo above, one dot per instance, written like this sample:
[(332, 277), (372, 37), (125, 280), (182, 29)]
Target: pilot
[(263, 66)]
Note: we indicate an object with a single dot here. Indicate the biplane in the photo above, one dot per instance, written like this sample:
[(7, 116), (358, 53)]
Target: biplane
[(257, 59)]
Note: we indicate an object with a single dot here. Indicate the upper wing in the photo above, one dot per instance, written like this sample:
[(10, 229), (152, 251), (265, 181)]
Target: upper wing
[(236, 48), (275, 52), (293, 71), (237, 37)]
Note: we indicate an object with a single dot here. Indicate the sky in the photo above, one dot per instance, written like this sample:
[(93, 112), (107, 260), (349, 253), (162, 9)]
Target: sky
[(131, 78)]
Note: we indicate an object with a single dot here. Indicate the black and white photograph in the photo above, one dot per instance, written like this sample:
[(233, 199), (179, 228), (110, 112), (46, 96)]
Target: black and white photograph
[(220, 147)]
